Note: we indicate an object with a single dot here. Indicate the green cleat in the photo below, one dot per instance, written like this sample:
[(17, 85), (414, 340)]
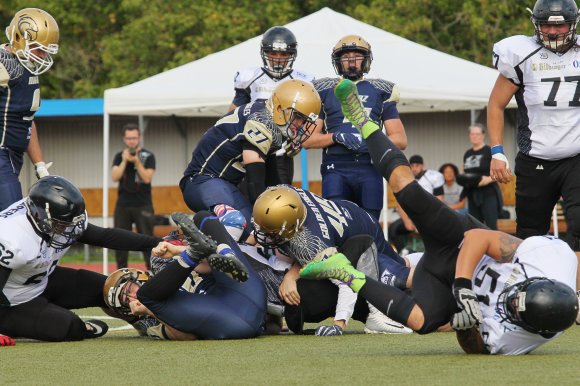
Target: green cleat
[(335, 267), (353, 109)]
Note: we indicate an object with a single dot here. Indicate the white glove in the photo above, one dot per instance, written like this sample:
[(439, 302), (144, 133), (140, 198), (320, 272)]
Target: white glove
[(328, 331), (470, 314), (42, 169)]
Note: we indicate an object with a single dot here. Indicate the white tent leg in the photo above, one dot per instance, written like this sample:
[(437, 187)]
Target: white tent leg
[(106, 188)]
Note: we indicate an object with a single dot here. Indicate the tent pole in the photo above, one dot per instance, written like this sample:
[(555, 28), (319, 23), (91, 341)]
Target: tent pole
[(106, 188), (304, 168)]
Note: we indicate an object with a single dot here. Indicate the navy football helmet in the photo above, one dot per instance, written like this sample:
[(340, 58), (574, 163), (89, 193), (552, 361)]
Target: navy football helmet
[(539, 305), (555, 12), (56, 209)]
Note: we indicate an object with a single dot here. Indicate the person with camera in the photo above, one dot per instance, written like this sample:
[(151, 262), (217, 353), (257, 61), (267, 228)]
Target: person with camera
[(133, 168)]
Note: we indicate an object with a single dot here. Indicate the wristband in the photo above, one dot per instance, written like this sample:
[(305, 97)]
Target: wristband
[(497, 149), (462, 282)]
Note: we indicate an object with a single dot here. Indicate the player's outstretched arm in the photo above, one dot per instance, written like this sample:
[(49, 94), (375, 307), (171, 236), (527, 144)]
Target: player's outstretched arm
[(471, 341)]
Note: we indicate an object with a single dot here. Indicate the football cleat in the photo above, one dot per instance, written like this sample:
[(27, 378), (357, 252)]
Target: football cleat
[(200, 246), (95, 328), (5, 340), (379, 323), (352, 107), (335, 267), (226, 261)]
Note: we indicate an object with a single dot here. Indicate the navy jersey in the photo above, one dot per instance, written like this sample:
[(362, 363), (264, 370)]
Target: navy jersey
[(379, 97), (19, 100), (219, 152), (329, 224)]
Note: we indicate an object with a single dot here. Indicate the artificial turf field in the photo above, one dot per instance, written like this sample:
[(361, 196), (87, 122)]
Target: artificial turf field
[(123, 358)]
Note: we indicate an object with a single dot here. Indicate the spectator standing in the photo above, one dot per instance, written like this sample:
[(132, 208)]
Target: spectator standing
[(484, 202), (133, 168)]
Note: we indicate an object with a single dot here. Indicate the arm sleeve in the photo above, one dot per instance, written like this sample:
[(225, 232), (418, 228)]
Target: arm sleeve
[(120, 239), (256, 180), (346, 301)]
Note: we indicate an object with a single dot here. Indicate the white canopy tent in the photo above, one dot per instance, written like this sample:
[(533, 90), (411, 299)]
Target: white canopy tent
[(429, 80)]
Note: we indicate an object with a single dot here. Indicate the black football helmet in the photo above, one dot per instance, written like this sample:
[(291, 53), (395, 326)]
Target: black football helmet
[(539, 305), (56, 209), (278, 39), (555, 12)]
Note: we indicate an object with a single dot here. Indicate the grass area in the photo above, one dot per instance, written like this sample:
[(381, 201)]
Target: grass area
[(121, 357)]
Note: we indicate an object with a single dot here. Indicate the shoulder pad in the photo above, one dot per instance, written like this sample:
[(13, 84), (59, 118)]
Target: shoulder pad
[(324, 83), (297, 74), (246, 76), (381, 84), (261, 132), (510, 52), (10, 67)]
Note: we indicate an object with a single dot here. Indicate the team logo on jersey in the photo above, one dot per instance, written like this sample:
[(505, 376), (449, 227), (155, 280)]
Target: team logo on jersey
[(543, 55), (364, 98)]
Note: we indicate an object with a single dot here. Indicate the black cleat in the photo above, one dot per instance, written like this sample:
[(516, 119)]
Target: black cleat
[(227, 262), (200, 246), (95, 328)]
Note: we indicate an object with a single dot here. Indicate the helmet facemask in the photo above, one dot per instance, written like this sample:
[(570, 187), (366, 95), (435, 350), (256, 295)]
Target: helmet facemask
[(297, 127), (272, 239)]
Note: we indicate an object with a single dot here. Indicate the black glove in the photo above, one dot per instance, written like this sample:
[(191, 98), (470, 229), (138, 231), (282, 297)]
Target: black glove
[(470, 314), (328, 331), (348, 140)]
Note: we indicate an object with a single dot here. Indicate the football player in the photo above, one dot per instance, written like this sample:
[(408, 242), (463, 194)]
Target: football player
[(35, 293), (278, 50), (216, 307), (541, 72), (32, 40), (302, 226), (239, 143), (502, 295), (347, 172)]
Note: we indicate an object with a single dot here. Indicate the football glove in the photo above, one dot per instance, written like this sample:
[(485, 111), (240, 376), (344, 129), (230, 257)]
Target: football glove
[(349, 140), (470, 313), (328, 331), (6, 341), (42, 169)]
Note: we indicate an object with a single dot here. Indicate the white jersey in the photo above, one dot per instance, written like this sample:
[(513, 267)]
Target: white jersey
[(259, 85), (548, 98), (28, 256), (542, 256), (432, 181)]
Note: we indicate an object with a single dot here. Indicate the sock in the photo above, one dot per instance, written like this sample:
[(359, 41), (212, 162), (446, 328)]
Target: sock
[(368, 128), (391, 301), (384, 154)]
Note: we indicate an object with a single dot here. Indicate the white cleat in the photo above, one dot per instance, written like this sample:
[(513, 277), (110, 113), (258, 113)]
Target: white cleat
[(379, 323)]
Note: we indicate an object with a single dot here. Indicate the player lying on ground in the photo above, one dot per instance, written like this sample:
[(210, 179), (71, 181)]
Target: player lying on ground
[(36, 295), (302, 225), (502, 295), (228, 304)]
